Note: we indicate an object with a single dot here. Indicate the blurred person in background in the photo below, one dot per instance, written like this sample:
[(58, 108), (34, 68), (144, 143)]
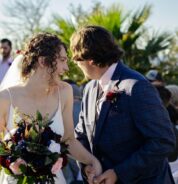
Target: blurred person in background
[(155, 77), (5, 59), (77, 103), (71, 171), (173, 112), (174, 94), (165, 96), (77, 94)]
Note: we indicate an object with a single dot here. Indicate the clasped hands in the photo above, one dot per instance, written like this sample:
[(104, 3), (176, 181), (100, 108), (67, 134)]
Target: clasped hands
[(97, 177)]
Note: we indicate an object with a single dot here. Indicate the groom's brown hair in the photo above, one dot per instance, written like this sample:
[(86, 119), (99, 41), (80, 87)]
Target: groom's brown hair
[(96, 43)]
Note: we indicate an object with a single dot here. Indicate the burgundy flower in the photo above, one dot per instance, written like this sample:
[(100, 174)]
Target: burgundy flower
[(8, 162), (18, 51), (17, 136), (2, 161), (111, 95)]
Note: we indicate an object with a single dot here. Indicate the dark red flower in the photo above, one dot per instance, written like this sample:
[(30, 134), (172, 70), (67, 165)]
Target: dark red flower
[(8, 162), (18, 51), (111, 95), (17, 137), (3, 161)]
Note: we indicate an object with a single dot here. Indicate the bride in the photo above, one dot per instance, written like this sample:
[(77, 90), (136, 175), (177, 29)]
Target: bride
[(32, 83)]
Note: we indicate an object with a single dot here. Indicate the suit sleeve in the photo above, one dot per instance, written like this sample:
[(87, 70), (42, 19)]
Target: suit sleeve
[(152, 121)]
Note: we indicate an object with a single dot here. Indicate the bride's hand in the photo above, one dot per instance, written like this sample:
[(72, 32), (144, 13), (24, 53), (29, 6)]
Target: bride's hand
[(93, 170), (97, 167)]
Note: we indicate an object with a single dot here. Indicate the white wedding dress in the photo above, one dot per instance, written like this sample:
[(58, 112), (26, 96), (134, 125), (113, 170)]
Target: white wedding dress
[(57, 126)]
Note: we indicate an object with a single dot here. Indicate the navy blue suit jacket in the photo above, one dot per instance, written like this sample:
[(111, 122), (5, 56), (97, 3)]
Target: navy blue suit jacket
[(133, 135)]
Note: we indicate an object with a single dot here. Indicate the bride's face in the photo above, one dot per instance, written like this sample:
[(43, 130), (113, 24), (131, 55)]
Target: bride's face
[(62, 65)]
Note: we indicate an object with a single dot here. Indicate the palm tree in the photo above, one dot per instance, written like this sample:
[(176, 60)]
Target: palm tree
[(169, 67)]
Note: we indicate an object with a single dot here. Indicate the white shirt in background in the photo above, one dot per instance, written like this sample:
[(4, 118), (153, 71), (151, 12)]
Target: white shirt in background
[(4, 66)]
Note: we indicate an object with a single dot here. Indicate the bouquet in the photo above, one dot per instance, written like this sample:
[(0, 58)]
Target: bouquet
[(32, 152)]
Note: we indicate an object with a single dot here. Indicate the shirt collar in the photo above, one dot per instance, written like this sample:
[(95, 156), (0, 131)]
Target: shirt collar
[(106, 77)]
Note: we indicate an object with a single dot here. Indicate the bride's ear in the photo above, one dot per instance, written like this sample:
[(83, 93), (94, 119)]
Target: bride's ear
[(91, 62), (41, 61)]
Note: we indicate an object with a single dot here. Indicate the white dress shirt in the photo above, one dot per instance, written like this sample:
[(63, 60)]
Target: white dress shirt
[(105, 83)]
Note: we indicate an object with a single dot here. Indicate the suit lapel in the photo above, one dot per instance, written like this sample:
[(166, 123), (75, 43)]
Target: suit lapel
[(91, 112), (100, 122), (106, 104)]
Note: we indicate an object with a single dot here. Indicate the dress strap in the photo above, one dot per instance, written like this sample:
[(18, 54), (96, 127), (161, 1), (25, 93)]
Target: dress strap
[(10, 95), (9, 123), (59, 100)]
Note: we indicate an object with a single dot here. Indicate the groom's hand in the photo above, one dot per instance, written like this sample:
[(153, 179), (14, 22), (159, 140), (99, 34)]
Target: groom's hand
[(108, 177)]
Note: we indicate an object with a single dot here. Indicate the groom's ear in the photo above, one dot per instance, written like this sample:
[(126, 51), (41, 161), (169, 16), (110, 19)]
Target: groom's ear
[(41, 61)]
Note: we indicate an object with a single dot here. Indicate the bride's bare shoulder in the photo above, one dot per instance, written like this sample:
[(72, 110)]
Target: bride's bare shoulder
[(65, 87), (5, 93), (4, 99)]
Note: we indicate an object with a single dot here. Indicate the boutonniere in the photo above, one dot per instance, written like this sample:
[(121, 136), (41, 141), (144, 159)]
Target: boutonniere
[(112, 95)]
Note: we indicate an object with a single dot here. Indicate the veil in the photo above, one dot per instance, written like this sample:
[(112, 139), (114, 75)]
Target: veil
[(13, 75)]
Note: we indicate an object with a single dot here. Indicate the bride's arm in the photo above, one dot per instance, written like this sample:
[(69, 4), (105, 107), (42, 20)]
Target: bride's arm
[(76, 149), (4, 107)]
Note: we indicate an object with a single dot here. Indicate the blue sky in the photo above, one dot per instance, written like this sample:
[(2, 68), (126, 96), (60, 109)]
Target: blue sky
[(164, 13)]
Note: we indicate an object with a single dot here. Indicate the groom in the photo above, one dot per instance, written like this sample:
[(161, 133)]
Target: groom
[(122, 120)]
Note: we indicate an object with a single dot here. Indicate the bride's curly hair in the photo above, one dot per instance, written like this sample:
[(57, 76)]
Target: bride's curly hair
[(43, 44)]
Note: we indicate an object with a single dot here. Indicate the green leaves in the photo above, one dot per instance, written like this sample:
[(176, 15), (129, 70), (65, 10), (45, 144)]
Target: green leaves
[(3, 151), (7, 171), (26, 180), (36, 148), (33, 134), (139, 17), (23, 168), (48, 161), (39, 116)]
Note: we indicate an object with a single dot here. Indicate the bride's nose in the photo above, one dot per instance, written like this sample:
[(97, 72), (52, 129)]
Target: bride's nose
[(66, 68)]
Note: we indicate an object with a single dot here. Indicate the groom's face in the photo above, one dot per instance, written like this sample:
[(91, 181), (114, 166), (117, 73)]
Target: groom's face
[(86, 68)]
